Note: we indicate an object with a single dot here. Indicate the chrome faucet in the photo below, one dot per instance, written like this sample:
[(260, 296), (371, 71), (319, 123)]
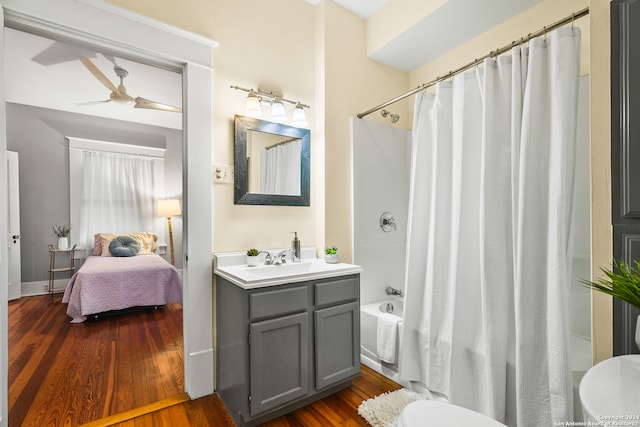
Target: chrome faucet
[(280, 257), (277, 259), (393, 291), (267, 258)]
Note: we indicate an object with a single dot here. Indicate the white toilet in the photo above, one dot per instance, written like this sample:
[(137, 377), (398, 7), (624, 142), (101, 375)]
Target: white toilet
[(610, 392), (423, 413)]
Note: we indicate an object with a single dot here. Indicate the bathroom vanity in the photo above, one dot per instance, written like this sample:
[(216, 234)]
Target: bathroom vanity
[(287, 335)]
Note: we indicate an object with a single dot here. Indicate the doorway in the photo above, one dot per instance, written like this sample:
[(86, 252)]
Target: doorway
[(161, 44), (40, 134)]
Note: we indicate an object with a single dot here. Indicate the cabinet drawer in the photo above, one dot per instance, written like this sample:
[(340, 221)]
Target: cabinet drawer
[(337, 291), (277, 302)]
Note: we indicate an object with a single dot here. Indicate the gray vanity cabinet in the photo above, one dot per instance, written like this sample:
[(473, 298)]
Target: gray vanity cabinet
[(282, 347)]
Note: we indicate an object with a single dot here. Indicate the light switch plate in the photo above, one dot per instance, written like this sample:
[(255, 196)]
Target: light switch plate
[(222, 174)]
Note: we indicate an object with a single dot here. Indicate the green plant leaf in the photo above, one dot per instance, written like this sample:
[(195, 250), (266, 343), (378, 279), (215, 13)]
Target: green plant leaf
[(623, 282)]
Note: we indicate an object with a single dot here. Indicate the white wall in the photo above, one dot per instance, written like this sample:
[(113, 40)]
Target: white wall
[(579, 295), (381, 168)]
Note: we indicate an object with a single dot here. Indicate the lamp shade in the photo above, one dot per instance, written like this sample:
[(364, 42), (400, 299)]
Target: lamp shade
[(277, 112), (253, 105), (169, 207), (299, 118)]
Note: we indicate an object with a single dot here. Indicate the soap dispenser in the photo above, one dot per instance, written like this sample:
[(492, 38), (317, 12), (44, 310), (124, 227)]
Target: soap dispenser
[(295, 247)]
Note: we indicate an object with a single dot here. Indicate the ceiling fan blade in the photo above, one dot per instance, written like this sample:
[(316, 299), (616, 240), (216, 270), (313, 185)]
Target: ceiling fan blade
[(98, 74), (93, 102), (152, 105)]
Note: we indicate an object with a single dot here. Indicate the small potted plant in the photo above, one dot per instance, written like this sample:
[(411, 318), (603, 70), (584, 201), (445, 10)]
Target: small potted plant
[(623, 282), (252, 257), (331, 255), (62, 231)]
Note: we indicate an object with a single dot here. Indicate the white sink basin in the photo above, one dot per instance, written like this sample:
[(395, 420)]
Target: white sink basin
[(269, 275)]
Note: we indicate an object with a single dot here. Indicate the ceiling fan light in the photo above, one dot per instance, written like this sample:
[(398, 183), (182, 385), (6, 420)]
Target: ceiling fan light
[(253, 105), (277, 112), (299, 118)]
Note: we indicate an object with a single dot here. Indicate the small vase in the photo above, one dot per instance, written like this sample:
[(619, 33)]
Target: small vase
[(63, 243), (638, 332), (331, 258), (252, 261)]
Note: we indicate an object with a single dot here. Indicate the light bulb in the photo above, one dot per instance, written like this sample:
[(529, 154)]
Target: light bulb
[(253, 105), (277, 112), (299, 118)]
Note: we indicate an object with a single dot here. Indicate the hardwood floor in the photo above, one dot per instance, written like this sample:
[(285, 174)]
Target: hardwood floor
[(113, 371), (340, 409), (69, 374)]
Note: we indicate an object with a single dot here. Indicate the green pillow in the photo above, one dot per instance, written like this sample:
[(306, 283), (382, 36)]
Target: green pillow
[(124, 246)]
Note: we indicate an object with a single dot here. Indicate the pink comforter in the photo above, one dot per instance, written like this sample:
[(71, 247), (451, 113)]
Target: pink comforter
[(115, 283)]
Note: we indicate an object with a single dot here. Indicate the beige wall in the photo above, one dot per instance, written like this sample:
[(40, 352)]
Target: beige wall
[(261, 49), (260, 46), (601, 230), (193, 15)]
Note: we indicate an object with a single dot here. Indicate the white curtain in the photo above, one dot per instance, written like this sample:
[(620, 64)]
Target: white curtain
[(117, 195), (488, 270), (280, 169)]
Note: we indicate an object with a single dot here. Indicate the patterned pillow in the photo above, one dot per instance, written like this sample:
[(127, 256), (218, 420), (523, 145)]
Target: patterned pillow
[(124, 246), (146, 240)]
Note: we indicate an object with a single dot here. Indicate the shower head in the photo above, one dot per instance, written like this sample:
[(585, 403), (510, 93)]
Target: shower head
[(394, 117)]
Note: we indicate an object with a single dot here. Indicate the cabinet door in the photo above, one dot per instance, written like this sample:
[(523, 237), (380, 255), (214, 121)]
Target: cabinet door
[(337, 343), (279, 357), (625, 155)]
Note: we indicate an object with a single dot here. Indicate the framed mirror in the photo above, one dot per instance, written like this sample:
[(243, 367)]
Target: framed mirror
[(272, 163)]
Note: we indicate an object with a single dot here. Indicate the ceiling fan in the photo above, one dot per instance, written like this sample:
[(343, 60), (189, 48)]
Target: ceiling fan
[(119, 94)]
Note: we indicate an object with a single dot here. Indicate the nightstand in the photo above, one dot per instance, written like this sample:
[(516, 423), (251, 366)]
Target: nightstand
[(70, 269)]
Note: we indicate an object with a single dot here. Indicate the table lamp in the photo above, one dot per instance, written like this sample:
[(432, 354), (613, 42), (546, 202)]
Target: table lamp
[(169, 208)]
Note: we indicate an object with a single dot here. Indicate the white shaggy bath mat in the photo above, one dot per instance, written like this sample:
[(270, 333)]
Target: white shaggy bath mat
[(384, 409)]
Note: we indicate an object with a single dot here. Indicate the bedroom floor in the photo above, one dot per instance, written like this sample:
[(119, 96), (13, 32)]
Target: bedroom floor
[(69, 374)]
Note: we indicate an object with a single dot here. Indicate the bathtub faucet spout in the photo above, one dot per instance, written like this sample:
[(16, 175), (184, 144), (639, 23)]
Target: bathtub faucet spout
[(393, 291)]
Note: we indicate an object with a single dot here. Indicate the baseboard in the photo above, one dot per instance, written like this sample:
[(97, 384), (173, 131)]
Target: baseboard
[(28, 289), (200, 373)]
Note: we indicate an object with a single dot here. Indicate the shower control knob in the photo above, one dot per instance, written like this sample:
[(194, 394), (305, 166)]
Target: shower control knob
[(387, 222)]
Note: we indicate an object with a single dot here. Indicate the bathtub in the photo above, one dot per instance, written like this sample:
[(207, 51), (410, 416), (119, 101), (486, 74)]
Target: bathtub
[(369, 314), (579, 348)]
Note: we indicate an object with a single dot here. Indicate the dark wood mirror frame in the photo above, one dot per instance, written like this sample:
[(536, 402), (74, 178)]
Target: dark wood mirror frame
[(242, 124)]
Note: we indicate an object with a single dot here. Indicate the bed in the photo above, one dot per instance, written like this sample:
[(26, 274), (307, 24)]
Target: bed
[(107, 283)]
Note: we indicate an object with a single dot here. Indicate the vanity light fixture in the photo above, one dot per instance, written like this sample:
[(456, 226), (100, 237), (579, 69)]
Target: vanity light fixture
[(262, 98)]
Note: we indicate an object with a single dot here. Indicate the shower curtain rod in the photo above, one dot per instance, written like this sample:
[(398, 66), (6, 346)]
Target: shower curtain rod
[(492, 54)]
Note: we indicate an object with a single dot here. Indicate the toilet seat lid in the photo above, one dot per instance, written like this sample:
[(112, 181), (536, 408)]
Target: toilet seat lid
[(443, 414), (612, 388)]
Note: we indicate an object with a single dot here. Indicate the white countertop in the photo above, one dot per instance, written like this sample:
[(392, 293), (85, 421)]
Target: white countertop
[(233, 267)]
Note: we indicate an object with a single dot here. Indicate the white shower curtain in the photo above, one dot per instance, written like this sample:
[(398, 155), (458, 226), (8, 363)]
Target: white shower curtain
[(280, 169), (487, 270)]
